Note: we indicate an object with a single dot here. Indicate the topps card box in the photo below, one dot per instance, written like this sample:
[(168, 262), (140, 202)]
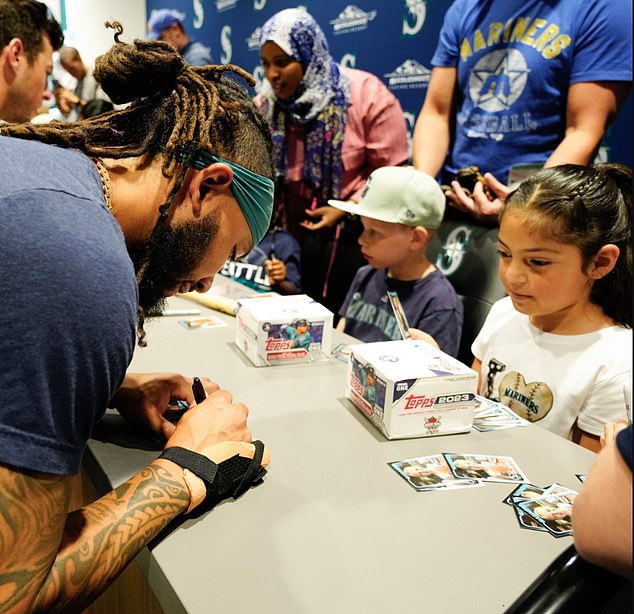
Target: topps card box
[(410, 389), (279, 329)]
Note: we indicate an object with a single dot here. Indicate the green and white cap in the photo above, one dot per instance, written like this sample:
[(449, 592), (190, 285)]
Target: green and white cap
[(400, 195)]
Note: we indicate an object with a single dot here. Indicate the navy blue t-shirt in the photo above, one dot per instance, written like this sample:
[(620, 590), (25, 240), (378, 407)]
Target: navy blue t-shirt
[(68, 319), (624, 443), (430, 304)]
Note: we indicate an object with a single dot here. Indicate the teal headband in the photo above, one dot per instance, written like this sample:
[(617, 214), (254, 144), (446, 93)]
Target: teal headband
[(253, 192)]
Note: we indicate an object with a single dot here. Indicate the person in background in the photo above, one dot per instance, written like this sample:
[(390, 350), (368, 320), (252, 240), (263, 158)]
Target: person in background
[(110, 216), (272, 265), (70, 103), (400, 207), (558, 349), (602, 513), (95, 107), (516, 83), (28, 37), (332, 126), (167, 25)]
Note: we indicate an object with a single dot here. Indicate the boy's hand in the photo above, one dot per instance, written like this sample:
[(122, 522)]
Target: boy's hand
[(276, 270)]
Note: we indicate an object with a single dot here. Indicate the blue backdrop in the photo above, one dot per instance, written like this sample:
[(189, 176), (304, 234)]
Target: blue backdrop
[(394, 39)]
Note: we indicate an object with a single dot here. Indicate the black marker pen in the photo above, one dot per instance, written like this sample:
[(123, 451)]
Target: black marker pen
[(199, 390)]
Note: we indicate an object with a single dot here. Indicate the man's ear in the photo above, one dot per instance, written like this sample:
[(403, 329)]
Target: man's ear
[(604, 261), (14, 51), (215, 178)]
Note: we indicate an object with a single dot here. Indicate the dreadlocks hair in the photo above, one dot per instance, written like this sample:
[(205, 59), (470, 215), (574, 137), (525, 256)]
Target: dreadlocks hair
[(175, 110), (29, 21)]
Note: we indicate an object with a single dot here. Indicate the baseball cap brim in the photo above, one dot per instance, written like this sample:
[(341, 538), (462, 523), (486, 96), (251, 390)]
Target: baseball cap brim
[(357, 209)]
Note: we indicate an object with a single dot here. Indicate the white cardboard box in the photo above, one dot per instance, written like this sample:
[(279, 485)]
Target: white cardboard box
[(274, 330), (410, 389)]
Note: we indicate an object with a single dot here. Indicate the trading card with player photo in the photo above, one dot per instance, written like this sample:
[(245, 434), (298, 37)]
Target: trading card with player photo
[(491, 416), (485, 468), (526, 521), (523, 492), (399, 313), (553, 512), (199, 323), (429, 473)]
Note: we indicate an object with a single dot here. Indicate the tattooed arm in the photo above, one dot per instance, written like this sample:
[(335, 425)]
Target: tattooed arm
[(53, 561)]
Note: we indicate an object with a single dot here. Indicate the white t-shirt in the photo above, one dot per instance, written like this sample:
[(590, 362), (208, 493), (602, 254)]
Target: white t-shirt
[(551, 379)]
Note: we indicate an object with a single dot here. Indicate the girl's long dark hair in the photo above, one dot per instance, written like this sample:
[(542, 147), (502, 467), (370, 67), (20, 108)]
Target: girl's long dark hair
[(587, 206)]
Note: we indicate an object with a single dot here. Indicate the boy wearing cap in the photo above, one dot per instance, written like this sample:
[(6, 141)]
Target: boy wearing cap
[(399, 208), (167, 25)]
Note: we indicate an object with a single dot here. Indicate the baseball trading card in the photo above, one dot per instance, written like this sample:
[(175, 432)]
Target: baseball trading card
[(523, 492), (485, 468), (399, 313), (429, 473), (199, 323), (526, 521), (341, 352), (553, 512), (491, 416)]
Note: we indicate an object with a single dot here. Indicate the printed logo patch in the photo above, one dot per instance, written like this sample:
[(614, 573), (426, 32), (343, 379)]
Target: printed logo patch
[(531, 401)]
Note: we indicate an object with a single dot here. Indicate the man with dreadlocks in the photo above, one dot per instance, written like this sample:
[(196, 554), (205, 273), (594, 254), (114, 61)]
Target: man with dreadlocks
[(101, 220)]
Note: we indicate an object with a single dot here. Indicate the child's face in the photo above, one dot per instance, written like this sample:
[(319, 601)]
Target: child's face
[(383, 244), (544, 278)]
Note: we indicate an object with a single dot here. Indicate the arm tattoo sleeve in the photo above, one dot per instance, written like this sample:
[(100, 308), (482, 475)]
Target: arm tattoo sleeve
[(70, 560)]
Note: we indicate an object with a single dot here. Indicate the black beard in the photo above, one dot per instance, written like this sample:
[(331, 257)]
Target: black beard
[(169, 257)]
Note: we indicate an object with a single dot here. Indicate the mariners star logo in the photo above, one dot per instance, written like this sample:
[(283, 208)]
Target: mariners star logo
[(352, 19), (409, 75), (498, 80)]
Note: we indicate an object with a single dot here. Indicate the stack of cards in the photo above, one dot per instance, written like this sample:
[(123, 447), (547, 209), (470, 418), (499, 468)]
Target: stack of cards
[(451, 471), (492, 416), (543, 509)]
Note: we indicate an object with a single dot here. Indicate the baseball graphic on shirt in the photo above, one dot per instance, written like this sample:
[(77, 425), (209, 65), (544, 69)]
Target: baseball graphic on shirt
[(532, 400)]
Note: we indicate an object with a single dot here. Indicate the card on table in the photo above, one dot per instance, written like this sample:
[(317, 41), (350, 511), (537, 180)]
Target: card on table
[(553, 512), (430, 473), (199, 323), (485, 468)]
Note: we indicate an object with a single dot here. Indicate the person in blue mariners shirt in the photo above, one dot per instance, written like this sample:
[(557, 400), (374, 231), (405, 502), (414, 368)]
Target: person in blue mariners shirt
[(517, 84), (167, 25), (400, 208)]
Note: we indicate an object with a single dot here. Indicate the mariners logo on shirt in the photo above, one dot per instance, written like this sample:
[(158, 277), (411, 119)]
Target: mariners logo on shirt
[(532, 400), (498, 80)]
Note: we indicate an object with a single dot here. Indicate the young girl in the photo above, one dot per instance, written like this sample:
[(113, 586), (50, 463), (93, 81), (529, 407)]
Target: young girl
[(557, 350)]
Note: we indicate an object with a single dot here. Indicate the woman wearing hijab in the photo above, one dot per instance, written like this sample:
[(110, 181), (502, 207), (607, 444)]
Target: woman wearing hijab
[(331, 126)]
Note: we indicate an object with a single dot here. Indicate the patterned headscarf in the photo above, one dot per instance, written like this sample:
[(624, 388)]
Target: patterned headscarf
[(321, 98)]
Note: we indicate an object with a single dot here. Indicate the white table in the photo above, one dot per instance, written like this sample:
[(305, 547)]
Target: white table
[(333, 529)]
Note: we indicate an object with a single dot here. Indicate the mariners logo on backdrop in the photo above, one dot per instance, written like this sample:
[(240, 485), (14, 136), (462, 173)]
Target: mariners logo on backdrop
[(415, 18), (253, 42), (225, 42), (352, 19), (199, 14), (453, 250), (409, 75), (258, 5), (498, 80), (349, 60), (225, 5)]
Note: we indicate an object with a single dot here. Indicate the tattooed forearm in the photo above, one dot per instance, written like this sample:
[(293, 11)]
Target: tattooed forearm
[(99, 540)]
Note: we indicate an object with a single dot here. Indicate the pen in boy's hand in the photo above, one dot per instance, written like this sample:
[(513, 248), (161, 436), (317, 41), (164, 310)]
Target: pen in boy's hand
[(199, 390)]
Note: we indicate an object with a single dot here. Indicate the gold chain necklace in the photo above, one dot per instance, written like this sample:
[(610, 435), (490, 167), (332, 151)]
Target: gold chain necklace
[(106, 186)]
